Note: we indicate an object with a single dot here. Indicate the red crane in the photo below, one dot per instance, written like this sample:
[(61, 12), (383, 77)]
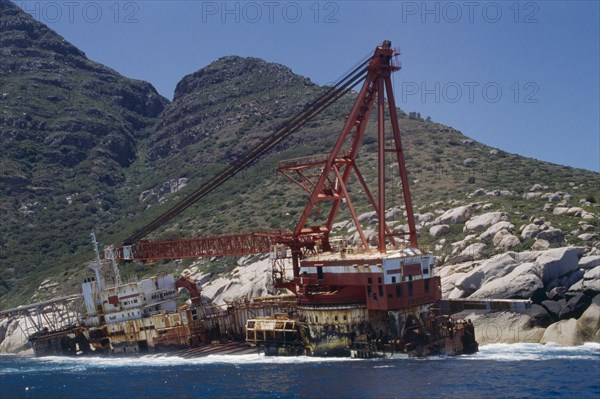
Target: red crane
[(328, 183)]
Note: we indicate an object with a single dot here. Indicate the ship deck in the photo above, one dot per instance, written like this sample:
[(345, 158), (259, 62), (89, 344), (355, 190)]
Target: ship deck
[(352, 255)]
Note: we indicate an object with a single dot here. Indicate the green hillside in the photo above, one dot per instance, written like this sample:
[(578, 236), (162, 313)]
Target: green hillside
[(69, 130)]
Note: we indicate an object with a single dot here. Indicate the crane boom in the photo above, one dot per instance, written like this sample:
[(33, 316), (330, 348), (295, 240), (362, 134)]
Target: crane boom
[(217, 245)]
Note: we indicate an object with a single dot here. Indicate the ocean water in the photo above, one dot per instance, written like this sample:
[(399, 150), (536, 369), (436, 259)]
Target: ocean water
[(497, 371)]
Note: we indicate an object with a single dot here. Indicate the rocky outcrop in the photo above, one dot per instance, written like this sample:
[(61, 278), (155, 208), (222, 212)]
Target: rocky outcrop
[(472, 252), (522, 282), (482, 222), (589, 322), (251, 279), (557, 262), (477, 273), (562, 312), (539, 316), (541, 271), (504, 327), (12, 338), (223, 95), (564, 332), (551, 235), (454, 216), (504, 241), (530, 231), (534, 326), (495, 229), (162, 191), (439, 230)]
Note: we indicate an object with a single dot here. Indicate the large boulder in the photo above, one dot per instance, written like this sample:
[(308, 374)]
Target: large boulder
[(392, 213), (521, 283), (571, 278), (539, 316), (482, 222), (588, 236), (530, 231), (473, 252), (246, 281), (589, 322), (540, 245), (449, 283), (532, 196), (456, 293), (557, 262), (575, 306), (14, 340), (470, 282), (469, 162), (366, 217), (593, 274), (575, 210), (560, 210), (436, 231), (504, 241), (588, 216), (496, 267), (591, 280), (504, 327), (554, 307), (554, 197), (447, 270), (459, 246), (566, 281), (424, 217), (552, 235), (454, 216), (494, 229), (557, 293), (564, 332)]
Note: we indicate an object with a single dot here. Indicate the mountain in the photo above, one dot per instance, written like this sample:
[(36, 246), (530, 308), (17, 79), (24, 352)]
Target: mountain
[(69, 129), (85, 148)]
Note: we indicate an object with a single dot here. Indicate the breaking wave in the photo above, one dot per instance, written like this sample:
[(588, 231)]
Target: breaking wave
[(524, 351), (79, 364), (493, 352)]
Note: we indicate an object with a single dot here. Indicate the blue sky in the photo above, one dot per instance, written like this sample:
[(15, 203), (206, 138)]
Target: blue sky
[(520, 76)]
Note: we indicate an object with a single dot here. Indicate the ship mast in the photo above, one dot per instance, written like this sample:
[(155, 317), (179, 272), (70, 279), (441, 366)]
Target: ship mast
[(97, 266)]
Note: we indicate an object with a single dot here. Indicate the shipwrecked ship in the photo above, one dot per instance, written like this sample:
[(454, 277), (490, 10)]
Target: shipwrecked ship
[(369, 297), (380, 307)]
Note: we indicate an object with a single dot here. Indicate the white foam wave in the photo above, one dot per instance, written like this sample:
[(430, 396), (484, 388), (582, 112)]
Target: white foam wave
[(496, 352), (166, 361), (530, 351)]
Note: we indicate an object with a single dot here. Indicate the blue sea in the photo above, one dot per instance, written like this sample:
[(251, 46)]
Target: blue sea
[(497, 371)]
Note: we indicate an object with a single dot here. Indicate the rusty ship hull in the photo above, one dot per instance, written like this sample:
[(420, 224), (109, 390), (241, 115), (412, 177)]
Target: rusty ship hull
[(365, 304)]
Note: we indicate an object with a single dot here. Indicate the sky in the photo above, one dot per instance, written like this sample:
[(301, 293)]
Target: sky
[(522, 76)]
